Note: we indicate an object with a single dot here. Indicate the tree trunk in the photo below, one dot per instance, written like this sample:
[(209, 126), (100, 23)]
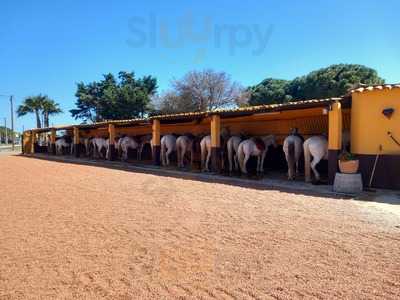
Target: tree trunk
[(46, 119), (38, 123)]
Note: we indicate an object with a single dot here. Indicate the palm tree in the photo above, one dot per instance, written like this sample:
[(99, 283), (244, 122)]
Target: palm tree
[(49, 107), (32, 105), (41, 106)]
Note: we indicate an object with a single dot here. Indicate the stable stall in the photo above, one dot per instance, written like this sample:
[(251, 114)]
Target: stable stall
[(313, 117)]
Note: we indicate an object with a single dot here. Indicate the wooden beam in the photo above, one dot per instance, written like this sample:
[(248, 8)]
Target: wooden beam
[(111, 141), (53, 135), (156, 133), (33, 141), (156, 141), (76, 135), (76, 144), (215, 143), (215, 131)]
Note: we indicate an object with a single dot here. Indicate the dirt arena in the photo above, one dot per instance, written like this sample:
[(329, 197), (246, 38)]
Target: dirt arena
[(75, 231)]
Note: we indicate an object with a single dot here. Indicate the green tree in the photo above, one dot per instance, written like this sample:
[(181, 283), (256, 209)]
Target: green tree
[(269, 91), (111, 98), (333, 81)]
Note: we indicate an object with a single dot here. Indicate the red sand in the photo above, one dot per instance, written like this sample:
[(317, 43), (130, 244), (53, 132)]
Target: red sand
[(90, 232)]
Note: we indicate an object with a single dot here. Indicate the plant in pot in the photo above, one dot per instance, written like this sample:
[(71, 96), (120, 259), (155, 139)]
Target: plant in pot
[(348, 163)]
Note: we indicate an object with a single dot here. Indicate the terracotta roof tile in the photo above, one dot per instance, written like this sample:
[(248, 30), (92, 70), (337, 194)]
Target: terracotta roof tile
[(374, 88), (188, 115)]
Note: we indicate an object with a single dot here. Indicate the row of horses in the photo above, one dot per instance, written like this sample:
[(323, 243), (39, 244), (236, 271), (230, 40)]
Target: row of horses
[(237, 149), (98, 147)]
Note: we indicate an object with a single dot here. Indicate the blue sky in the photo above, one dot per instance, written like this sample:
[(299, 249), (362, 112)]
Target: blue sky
[(49, 46)]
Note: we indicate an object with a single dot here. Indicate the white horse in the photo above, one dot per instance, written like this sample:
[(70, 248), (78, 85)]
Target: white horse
[(292, 146), (254, 147), (60, 144), (205, 148), (98, 145), (232, 147), (168, 145), (146, 139), (184, 144), (124, 144), (317, 147)]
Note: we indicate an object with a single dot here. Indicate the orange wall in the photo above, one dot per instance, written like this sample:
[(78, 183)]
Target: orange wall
[(369, 126)]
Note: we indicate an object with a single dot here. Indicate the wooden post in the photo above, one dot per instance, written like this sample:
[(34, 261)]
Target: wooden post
[(111, 141), (22, 143), (77, 148), (215, 142), (33, 142), (156, 141), (53, 135), (335, 139)]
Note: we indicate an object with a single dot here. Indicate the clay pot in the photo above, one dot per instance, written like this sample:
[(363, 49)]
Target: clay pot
[(348, 166)]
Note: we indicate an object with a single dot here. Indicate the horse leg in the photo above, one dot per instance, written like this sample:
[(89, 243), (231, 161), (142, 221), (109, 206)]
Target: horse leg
[(203, 154), (230, 160), (162, 155), (123, 154), (169, 151), (208, 161), (243, 167), (290, 170), (182, 157), (236, 161), (314, 163)]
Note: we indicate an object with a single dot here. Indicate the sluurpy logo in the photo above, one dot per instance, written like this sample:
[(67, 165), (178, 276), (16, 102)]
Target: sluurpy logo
[(197, 34)]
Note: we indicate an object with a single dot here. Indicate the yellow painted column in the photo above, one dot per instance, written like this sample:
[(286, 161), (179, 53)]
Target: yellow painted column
[(26, 143), (33, 141), (76, 144), (335, 139), (111, 141), (215, 142), (215, 131), (53, 134), (335, 127), (156, 141)]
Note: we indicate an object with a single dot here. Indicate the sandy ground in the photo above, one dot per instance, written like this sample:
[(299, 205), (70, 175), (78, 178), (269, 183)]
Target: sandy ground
[(74, 231)]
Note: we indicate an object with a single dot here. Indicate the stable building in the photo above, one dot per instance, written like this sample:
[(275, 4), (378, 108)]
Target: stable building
[(371, 114)]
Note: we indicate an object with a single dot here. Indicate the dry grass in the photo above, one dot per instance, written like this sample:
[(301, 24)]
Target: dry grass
[(87, 232)]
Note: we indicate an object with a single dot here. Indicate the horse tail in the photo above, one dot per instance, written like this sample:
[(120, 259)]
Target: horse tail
[(203, 147), (162, 151), (240, 156), (291, 158), (307, 161), (119, 149), (229, 146)]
